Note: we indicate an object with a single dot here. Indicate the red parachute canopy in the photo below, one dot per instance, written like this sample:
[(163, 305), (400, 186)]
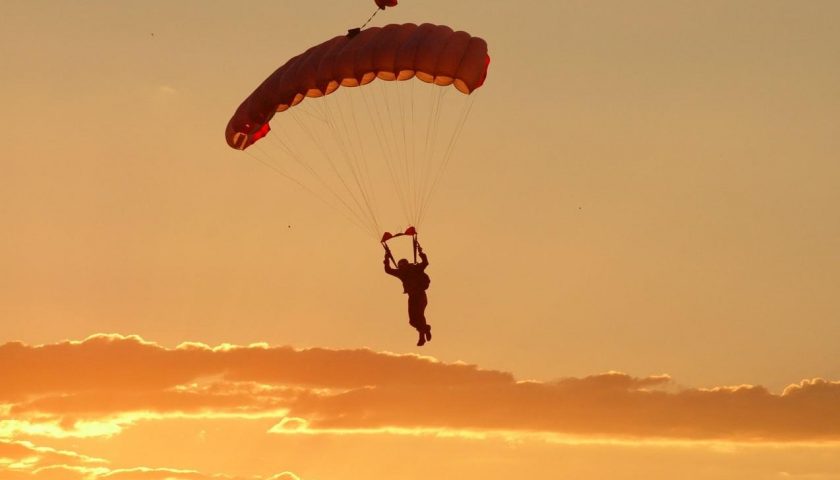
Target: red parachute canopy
[(433, 53), (385, 3)]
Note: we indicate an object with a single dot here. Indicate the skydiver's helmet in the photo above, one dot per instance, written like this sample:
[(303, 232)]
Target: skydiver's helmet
[(402, 264)]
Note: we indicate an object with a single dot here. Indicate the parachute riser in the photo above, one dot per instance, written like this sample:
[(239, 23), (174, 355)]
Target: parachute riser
[(390, 255), (414, 243)]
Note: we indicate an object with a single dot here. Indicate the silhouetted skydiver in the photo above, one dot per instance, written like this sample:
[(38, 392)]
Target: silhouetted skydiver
[(415, 282)]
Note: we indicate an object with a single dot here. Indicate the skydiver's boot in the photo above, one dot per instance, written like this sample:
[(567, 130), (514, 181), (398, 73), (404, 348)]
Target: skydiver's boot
[(421, 340), (428, 333)]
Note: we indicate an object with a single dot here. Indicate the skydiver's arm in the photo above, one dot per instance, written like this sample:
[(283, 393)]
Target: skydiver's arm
[(424, 260)]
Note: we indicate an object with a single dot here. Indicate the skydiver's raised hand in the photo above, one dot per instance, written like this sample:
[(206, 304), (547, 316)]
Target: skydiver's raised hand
[(424, 259)]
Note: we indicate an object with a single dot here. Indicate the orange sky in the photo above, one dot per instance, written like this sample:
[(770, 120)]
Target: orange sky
[(633, 252)]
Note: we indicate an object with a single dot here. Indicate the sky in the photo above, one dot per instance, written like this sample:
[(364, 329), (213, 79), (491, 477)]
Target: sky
[(633, 251)]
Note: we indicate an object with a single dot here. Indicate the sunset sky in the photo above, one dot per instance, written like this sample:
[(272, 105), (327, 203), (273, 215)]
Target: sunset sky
[(635, 252)]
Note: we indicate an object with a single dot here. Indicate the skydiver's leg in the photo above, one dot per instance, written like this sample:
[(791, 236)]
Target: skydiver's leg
[(415, 317), (421, 307)]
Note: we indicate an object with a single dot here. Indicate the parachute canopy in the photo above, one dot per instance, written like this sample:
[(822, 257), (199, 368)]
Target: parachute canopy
[(349, 146), (386, 3), (432, 53)]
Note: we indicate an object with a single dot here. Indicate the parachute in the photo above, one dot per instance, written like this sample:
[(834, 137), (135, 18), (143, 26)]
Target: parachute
[(385, 3), (434, 54)]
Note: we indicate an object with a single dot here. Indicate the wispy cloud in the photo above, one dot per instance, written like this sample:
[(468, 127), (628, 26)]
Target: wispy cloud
[(101, 385), (23, 455), (25, 460)]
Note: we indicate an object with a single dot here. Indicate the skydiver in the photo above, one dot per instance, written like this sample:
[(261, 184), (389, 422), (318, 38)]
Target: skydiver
[(415, 281)]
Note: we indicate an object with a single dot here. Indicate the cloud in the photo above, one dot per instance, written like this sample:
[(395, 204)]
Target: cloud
[(284, 476), (99, 386), (24, 460), (113, 363), (24, 454)]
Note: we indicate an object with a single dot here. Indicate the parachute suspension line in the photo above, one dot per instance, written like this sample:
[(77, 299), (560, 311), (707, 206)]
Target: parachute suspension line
[(385, 148), (413, 139), (450, 148), (419, 161), (266, 160), (407, 158), (317, 113), (428, 156), (413, 160), (355, 162), (401, 153), (352, 163), (364, 155), (320, 109), (456, 134), (401, 157), (277, 139), (432, 164), (432, 94), (282, 173), (372, 228), (350, 213), (425, 156), (391, 157), (422, 154), (327, 156), (412, 125)]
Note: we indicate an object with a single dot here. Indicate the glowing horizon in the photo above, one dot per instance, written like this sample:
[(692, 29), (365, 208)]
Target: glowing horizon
[(82, 391)]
